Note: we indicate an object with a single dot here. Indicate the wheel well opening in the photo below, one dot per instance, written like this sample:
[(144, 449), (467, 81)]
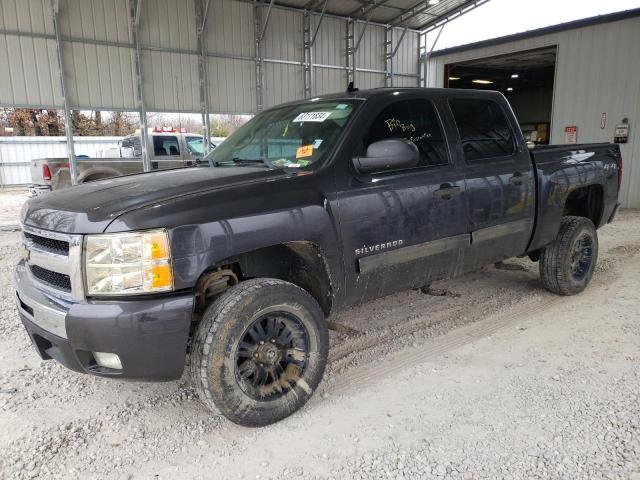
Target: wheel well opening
[(99, 175), (586, 202), (301, 263)]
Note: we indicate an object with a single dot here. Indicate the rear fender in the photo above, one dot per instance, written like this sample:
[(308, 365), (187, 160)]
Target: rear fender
[(96, 173), (552, 205)]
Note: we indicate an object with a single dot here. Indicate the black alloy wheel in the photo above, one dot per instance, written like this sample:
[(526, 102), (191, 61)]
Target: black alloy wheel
[(271, 355)]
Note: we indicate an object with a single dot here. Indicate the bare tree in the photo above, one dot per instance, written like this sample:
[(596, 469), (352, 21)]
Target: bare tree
[(25, 121), (225, 125)]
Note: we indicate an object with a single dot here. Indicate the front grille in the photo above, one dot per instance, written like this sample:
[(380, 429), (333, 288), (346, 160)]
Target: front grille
[(54, 279), (51, 245)]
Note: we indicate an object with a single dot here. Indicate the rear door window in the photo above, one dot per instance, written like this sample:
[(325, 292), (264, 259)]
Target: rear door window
[(415, 120), (483, 128), (165, 146)]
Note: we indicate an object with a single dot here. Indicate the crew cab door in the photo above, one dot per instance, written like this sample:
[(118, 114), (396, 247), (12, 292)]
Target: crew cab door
[(401, 229), (500, 179)]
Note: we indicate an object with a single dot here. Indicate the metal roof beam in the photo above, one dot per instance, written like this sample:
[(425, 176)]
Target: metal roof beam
[(364, 28), (205, 14), (277, 6), (370, 5), (395, 50), (311, 5), (418, 9), (315, 34), (452, 15), (266, 22), (136, 21)]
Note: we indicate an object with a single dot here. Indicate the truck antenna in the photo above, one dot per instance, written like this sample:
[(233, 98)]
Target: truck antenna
[(351, 88)]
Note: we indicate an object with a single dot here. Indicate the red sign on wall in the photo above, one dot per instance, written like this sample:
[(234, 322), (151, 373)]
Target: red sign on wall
[(571, 134)]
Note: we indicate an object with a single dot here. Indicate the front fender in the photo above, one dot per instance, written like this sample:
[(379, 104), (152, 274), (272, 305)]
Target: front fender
[(209, 227), (196, 248)]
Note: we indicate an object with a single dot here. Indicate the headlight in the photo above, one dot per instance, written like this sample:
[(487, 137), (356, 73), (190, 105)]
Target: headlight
[(128, 263)]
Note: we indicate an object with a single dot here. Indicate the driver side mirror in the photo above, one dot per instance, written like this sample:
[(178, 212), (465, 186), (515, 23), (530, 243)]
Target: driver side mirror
[(390, 154)]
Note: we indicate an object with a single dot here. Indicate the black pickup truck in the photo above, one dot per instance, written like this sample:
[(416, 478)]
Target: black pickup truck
[(232, 267)]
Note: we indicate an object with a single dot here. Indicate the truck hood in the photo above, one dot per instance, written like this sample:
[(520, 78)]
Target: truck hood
[(90, 207)]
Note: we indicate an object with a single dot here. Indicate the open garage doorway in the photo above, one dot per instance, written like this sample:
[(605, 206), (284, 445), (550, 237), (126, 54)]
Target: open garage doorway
[(525, 78)]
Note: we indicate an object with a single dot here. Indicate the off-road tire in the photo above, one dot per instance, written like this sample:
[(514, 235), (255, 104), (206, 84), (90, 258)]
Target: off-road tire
[(213, 367), (556, 258)]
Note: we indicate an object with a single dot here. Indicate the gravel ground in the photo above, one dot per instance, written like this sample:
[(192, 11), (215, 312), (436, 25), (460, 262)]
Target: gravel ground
[(495, 379), (11, 200)]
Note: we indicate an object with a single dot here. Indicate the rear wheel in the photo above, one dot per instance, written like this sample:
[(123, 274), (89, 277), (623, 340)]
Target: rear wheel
[(567, 264), (259, 351)]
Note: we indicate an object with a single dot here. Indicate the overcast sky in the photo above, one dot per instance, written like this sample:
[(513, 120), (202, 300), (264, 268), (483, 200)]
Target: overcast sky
[(497, 18)]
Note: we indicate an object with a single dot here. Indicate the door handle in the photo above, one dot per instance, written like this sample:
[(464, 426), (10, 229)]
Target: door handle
[(447, 191)]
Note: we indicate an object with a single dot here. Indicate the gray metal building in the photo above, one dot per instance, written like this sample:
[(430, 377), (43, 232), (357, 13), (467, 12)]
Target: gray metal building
[(595, 77)]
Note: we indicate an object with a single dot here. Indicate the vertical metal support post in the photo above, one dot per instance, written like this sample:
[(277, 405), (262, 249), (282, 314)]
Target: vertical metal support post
[(257, 23), (421, 65), (68, 124), (134, 16), (308, 61), (351, 51), (388, 56), (202, 11), (309, 40)]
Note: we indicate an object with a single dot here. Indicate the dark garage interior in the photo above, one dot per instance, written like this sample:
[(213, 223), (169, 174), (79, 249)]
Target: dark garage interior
[(525, 78)]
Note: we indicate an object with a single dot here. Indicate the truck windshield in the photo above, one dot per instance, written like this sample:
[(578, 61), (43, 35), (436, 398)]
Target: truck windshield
[(296, 137)]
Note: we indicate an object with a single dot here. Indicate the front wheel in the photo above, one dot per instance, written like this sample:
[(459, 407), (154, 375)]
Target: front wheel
[(567, 264), (259, 352)]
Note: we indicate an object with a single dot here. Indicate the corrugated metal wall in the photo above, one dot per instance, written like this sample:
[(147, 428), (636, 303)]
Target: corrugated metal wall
[(99, 54), (29, 73), (17, 152), (597, 71), (329, 50), (99, 59)]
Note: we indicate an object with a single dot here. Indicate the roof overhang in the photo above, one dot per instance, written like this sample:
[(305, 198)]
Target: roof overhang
[(413, 14)]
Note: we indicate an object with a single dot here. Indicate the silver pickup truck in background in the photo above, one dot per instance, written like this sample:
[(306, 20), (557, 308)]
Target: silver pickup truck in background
[(167, 148)]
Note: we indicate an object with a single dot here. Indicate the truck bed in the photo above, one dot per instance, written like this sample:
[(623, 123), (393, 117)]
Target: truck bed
[(560, 168)]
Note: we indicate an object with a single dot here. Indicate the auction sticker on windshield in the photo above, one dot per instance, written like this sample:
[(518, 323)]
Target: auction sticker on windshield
[(312, 117), (305, 151)]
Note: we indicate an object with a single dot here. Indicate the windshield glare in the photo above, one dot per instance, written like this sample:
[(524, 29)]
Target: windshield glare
[(195, 145), (292, 137)]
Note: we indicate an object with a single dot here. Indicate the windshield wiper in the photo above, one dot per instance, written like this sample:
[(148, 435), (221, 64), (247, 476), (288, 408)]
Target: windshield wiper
[(248, 161), (235, 161)]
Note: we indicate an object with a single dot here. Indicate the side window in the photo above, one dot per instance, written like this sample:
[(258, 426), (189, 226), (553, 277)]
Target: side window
[(414, 120), (483, 127), (165, 145)]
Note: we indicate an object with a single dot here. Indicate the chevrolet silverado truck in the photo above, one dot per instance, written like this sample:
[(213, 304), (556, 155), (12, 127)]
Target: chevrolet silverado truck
[(166, 148), (230, 269)]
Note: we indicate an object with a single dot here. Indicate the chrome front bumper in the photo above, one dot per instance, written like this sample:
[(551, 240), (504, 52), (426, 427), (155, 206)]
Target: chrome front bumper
[(37, 307)]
